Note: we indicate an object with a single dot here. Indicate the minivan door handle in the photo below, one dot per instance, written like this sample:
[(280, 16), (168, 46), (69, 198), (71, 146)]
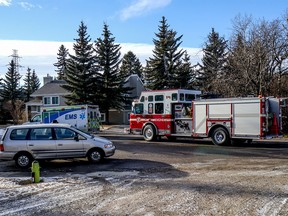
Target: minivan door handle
[(31, 145), (60, 144)]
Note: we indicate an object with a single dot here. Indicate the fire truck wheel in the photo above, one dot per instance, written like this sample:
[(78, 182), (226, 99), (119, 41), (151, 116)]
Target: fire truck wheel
[(149, 133), (220, 137)]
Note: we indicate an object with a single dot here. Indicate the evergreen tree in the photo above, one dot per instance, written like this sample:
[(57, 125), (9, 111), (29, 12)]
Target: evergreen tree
[(61, 64), (165, 63), (11, 84), (27, 85), (112, 84), (131, 65), (213, 63), (186, 74), (11, 91), (3, 116), (80, 69), (31, 84), (35, 82)]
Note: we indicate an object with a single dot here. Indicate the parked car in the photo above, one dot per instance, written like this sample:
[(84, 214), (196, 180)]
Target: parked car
[(25, 143)]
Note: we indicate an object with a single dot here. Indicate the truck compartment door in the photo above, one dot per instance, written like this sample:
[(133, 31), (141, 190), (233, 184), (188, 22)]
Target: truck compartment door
[(199, 118), (246, 119)]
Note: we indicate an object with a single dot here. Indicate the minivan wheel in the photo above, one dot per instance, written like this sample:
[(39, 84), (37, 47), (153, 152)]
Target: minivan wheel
[(95, 156), (23, 160)]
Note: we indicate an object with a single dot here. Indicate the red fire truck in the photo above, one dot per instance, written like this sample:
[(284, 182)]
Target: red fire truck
[(181, 113)]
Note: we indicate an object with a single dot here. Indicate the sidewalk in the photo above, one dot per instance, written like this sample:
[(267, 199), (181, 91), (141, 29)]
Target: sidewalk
[(115, 129)]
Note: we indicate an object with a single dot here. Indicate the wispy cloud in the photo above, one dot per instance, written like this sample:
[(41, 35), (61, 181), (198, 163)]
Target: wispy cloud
[(28, 6), (140, 7), (41, 55), (5, 3)]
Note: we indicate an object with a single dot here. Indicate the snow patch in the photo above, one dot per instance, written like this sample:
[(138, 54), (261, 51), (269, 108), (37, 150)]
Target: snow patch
[(113, 174), (271, 207)]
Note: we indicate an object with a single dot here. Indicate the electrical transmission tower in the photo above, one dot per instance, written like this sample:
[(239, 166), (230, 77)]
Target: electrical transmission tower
[(16, 58)]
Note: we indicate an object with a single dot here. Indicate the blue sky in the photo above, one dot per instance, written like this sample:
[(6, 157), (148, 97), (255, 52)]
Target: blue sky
[(130, 21)]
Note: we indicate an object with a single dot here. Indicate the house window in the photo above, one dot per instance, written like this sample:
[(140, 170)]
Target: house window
[(103, 117), (47, 100), (54, 100)]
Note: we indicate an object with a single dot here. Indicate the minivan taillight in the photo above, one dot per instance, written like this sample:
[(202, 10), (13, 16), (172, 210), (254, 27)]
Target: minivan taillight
[(1, 147)]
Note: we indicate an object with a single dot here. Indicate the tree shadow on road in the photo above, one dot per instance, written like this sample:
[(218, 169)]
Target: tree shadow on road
[(217, 188), (56, 168)]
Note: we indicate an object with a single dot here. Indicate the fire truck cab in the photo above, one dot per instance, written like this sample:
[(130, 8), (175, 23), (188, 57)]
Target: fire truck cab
[(181, 113), (163, 113)]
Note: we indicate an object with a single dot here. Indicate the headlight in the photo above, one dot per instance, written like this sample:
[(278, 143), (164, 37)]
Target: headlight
[(109, 145)]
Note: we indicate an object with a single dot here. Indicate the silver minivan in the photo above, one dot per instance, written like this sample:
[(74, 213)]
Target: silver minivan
[(25, 143)]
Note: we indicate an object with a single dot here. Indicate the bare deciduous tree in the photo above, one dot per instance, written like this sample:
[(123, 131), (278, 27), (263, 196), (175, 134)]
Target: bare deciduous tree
[(16, 110), (257, 52)]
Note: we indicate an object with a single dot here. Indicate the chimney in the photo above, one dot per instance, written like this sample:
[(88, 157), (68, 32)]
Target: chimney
[(47, 79)]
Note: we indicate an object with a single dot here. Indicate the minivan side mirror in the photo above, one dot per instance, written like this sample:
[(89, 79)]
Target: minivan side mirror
[(76, 138)]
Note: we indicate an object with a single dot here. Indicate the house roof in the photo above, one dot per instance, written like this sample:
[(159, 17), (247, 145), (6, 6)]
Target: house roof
[(134, 78), (51, 88), (136, 83), (34, 102)]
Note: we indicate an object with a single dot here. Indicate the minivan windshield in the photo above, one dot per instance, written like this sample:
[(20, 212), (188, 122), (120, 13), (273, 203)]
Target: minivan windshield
[(88, 134)]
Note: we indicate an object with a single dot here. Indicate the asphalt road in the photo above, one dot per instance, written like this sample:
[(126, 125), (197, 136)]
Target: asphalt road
[(185, 177), (133, 153)]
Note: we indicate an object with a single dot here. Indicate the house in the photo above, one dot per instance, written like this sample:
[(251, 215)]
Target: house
[(50, 94), (122, 116)]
